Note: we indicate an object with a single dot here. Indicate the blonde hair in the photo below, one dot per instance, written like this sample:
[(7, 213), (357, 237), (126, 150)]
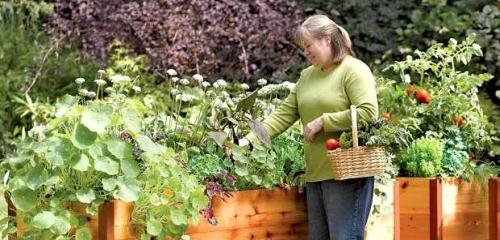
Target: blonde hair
[(320, 26)]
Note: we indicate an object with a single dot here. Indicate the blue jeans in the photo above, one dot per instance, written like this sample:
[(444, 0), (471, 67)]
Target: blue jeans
[(339, 210)]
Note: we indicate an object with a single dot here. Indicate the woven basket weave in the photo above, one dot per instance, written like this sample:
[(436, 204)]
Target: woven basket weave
[(358, 161)]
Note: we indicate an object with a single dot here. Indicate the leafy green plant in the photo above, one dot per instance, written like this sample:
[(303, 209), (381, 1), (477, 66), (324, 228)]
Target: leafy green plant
[(32, 66), (437, 97), (455, 154), (423, 158), (93, 152)]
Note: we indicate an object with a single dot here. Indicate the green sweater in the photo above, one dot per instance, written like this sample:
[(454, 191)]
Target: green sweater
[(328, 95)]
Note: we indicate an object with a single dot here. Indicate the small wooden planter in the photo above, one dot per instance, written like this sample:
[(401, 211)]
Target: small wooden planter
[(437, 209), (254, 214)]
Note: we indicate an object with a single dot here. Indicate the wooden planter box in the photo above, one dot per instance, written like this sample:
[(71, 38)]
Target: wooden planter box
[(247, 215), (254, 214), (437, 209)]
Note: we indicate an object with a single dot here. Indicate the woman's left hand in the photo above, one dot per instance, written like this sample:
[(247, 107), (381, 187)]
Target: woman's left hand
[(312, 128)]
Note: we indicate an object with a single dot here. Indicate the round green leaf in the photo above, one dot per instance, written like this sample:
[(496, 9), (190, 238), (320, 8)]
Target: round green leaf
[(36, 177), (107, 165), (43, 220), (178, 217), (83, 233), (108, 184), (83, 163), (132, 120), (60, 150), (199, 199), (97, 117), (85, 195), (153, 227), (241, 171), (128, 189), (129, 167), (148, 145), (24, 199), (120, 149), (82, 137), (61, 225)]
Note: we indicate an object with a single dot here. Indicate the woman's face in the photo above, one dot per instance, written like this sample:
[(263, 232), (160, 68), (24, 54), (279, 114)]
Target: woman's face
[(317, 51)]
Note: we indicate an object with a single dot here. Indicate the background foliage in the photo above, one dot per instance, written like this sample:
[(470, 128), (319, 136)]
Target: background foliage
[(229, 39), (29, 60)]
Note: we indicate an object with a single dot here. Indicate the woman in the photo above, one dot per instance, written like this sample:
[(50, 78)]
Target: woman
[(321, 100)]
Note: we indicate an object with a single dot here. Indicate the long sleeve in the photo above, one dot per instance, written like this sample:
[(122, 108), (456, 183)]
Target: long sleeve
[(359, 85)]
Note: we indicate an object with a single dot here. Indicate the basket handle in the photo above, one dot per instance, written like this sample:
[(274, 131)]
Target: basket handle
[(354, 118)]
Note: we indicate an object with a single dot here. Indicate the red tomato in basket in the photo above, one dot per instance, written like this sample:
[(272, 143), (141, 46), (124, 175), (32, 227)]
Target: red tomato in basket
[(332, 144)]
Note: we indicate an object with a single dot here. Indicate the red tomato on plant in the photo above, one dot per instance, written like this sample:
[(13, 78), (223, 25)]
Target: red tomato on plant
[(459, 121), (423, 96), (332, 144), (387, 116)]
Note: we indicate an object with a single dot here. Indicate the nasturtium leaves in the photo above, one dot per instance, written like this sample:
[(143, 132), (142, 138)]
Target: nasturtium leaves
[(82, 137), (97, 117)]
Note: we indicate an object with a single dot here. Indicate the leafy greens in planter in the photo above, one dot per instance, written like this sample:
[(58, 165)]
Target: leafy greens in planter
[(94, 152)]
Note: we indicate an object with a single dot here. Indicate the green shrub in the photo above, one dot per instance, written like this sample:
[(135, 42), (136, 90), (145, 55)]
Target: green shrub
[(423, 158)]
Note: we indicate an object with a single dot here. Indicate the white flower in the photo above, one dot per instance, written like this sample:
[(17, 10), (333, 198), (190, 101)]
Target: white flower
[(229, 102), (109, 90), (175, 79), (185, 237), (116, 79), (121, 96), (136, 89), (221, 83), (174, 92), (210, 93), (217, 102), (453, 42), (205, 84), (225, 95), (80, 81), (100, 71), (262, 82), (407, 79), (100, 82), (184, 82), (171, 72), (288, 85), (83, 92), (6, 177), (244, 86), (185, 97), (198, 78), (91, 94)]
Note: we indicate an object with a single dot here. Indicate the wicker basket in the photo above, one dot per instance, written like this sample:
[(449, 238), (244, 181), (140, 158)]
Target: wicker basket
[(358, 161)]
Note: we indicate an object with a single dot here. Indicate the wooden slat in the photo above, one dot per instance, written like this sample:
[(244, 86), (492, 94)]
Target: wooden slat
[(397, 208), (277, 232), (414, 207), (465, 210), (436, 217), (493, 205)]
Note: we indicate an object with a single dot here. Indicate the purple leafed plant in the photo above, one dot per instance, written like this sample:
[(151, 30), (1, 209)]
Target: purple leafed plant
[(231, 39)]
